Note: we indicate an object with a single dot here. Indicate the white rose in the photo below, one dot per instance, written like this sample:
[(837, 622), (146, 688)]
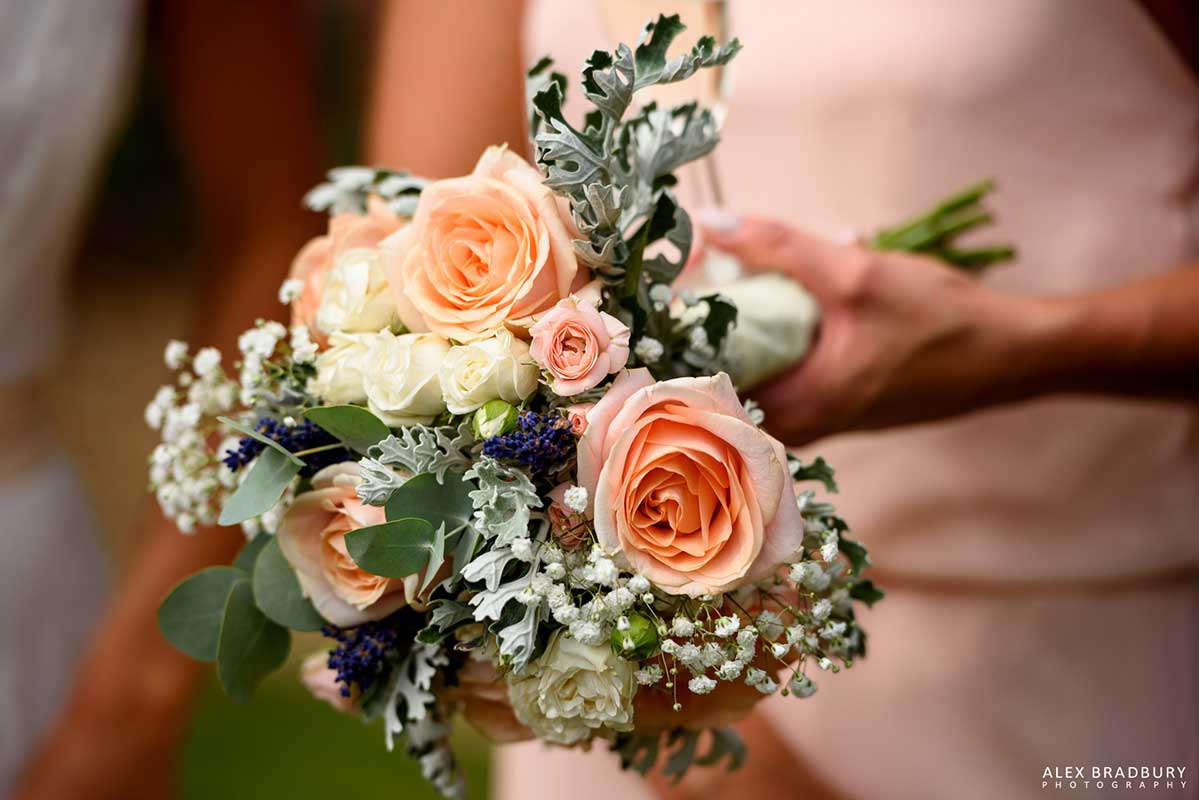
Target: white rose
[(339, 368), (400, 377), (356, 298), (573, 690), (498, 368), (776, 318)]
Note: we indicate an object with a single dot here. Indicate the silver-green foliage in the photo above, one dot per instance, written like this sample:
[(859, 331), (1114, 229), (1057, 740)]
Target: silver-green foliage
[(617, 171)]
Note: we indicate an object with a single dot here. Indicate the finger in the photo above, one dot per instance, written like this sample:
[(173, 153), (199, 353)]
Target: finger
[(765, 245), (787, 403)]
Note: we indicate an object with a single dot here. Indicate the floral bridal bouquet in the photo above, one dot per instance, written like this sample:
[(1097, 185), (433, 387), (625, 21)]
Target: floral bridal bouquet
[(501, 465)]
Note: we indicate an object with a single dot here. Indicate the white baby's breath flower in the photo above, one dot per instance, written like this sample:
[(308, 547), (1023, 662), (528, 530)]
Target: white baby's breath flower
[(648, 350), (175, 354), (290, 290), (729, 670), (770, 624), (660, 293), (556, 570), (746, 637), (828, 550), (825, 663), (701, 684), (588, 632), (712, 654), (690, 657), (833, 629), (522, 549), (207, 362), (303, 349), (649, 675), (638, 584), (802, 686), (575, 499), (574, 691), (780, 649), (727, 626), (682, 627), (566, 614), (821, 609)]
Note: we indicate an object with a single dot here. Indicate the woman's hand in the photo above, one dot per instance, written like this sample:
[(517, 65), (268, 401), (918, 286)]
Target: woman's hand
[(907, 339), (902, 338)]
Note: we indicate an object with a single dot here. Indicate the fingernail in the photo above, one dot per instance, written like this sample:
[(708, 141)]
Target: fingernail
[(718, 220)]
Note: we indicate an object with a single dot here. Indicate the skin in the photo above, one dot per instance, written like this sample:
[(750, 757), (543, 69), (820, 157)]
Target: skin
[(905, 339), (898, 328), (119, 734)]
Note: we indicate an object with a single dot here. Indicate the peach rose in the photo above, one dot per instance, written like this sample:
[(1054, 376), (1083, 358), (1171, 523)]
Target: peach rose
[(312, 536), (579, 345), (481, 697), (313, 262), (484, 251), (322, 682), (695, 496), (577, 414)]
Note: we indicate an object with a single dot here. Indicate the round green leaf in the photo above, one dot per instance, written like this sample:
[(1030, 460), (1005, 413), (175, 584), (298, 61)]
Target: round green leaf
[(394, 549), (277, 591), (248, 555), (190, 616), (356, 427), (250, 646), (423, 497), (269, 475)]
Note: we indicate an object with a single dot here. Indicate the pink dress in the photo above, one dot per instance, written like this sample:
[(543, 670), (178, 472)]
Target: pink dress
[(1041, 560)]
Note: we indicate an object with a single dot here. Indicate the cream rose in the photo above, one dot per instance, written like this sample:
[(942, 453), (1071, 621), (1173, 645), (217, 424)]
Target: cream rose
[(484, 251), (400, 377), (573, 691), (339, 368), (312, 264), (312, 537), (695, 496), (579, 345), (357, 298), (498, 368)]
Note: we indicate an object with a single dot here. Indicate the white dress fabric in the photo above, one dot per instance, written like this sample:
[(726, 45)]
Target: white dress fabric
[(1041, 560), (65, 69)]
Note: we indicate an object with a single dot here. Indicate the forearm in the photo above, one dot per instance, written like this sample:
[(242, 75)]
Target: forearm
[(1139, 339)]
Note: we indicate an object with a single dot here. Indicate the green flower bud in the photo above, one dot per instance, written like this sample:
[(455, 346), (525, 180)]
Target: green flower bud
[(495, 418), (638, 641)]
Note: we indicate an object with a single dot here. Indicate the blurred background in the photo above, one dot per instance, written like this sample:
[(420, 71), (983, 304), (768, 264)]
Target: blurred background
[(138, 272)]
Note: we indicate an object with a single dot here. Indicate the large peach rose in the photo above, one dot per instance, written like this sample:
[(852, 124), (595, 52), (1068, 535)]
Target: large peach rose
[(484, 251), (312, 264), (695, 496), (312, 536)]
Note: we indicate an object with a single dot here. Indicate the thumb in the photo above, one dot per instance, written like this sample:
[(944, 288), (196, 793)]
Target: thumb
[(766, 245)]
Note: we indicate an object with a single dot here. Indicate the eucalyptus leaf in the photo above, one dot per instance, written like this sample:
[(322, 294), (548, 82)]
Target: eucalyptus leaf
[(395, 549), (190, 616), (248, 555), (436, 558), (250, 646), (445, 503), (277, 591), (266, 440), (269, 476), (354, 426)]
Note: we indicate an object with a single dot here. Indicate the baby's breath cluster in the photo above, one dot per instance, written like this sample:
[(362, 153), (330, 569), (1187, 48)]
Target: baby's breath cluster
[(187, 475)]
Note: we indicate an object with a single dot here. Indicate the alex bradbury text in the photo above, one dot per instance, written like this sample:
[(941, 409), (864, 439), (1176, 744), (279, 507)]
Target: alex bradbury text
[(1119, 777)]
